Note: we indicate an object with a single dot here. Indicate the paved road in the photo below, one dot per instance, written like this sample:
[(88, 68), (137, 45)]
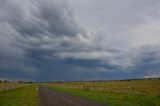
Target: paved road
[(50, 97)]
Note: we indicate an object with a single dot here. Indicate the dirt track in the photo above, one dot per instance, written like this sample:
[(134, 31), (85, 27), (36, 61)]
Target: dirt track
[(50, 97)]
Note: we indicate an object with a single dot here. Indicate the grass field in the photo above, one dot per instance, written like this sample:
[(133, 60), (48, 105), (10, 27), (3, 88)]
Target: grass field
[(24, 96), (112, 93), (9, 86), (115, 93)]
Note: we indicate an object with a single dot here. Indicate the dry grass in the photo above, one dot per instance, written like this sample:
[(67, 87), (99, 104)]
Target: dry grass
[(9, 86), (115, 93), (144, 87)]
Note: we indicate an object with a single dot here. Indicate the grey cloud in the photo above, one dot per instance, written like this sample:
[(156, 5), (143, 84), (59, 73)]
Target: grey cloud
[(31, 33), (40, 37), (118, 17), (37, 17)]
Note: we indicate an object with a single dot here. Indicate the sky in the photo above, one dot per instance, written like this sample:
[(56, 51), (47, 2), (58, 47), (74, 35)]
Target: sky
[(72, 40)]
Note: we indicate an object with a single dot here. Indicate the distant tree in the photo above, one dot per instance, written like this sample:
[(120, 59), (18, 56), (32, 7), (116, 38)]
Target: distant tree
[(20, 82), (5, 81), (93, 81), (30, 82), (60, 81)]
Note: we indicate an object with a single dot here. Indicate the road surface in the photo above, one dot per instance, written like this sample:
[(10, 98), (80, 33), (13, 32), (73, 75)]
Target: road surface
[(50, 97)]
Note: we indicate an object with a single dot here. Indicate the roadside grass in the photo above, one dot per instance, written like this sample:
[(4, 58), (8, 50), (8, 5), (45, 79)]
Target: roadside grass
[(26, 96), (145, 92), (9, 86), (143, 87)]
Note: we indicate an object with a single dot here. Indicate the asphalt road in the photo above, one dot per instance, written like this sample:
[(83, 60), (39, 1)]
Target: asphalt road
[(50, 97)]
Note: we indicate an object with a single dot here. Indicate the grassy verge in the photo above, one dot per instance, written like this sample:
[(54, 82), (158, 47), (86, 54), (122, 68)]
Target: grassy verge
[(9, 86), (26, 96), (112, 98)]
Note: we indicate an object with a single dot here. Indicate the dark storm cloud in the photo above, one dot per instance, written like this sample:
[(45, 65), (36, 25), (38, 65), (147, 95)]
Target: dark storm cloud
[(43, 40), (30, 31)]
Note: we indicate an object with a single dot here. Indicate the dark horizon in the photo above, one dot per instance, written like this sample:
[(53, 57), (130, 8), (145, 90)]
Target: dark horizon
[(63, 81)]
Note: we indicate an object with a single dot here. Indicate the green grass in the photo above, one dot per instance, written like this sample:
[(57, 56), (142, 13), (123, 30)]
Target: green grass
[(26, 96), (114, 98)]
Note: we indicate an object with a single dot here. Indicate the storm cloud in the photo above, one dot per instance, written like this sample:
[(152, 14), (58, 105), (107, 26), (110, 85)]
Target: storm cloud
[(53, 40)]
